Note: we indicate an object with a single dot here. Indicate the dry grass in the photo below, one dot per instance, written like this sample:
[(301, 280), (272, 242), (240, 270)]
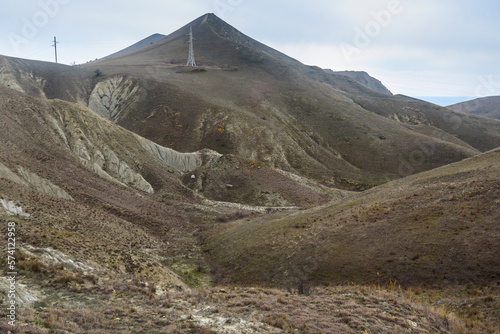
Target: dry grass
[(289, 116), (437, 229), (353, 309)]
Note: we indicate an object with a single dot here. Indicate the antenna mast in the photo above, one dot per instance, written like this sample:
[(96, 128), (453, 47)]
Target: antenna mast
[(191, 61), (55, 46)]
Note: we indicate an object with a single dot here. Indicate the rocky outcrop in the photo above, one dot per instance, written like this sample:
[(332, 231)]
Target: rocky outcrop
[(13, 208), (94, 152), (26, 178), (43, 185), (24, 297), (182, 162), (51, 257), (410, 116), (8, 80), (22, 81), (106, 163), (110, 97), (6, 173)]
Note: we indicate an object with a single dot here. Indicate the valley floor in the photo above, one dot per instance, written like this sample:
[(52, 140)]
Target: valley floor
[(80, 304)]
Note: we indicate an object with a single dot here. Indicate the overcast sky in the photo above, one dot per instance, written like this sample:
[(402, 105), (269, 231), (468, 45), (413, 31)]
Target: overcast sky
[(416, 48)]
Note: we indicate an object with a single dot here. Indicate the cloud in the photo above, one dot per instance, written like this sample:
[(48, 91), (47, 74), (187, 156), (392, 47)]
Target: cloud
[(425, 39)]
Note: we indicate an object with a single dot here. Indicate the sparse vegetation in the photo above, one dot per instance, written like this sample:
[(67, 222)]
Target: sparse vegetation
[(329, 310), (120, 240)]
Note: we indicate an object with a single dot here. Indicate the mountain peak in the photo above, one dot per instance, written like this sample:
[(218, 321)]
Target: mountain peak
[(227, 31)]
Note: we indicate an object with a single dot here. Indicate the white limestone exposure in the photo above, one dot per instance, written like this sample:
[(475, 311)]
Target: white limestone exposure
[(26, 178), (182, 162), (13, 208), (43, 185), (110, 97)]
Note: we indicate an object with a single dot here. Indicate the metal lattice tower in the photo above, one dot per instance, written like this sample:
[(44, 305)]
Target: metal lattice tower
[(191, 61)]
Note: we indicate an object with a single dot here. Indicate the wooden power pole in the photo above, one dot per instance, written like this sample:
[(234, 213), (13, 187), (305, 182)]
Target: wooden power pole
[(55, 47)]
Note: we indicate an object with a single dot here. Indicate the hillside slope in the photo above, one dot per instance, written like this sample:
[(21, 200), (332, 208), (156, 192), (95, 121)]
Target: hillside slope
[(486, 106), (107, 236), (46, 80), (365, 79), (85, 185), (250, 100), (106, 189), (439, 228), (254, 102)]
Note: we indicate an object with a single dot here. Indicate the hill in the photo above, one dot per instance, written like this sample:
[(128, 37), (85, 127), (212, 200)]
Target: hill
[(437, 228), (77, 174), (247, 99), (139, 187), (486, 106), (254, 102), (46, 80), (84, 184), (89, 202)]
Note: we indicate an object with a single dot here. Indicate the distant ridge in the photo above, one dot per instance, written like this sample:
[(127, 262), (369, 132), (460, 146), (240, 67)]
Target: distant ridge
[(365, 79), (486, 106), (142, 43), (444, 101)]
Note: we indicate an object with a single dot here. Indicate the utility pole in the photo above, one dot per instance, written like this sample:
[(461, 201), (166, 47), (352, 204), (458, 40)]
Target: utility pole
[(191, 61), (55, 46)]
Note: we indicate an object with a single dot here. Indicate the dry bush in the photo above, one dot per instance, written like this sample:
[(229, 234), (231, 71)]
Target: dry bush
[(91, 278), (32, 265), (202, 330), (233, 216), (301, 286), (66, 277), (278, 321), (218, 274), (151, 290), (200, 265)]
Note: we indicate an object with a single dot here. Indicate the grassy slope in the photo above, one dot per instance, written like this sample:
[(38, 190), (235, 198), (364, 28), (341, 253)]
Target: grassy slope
[(439, 228)]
